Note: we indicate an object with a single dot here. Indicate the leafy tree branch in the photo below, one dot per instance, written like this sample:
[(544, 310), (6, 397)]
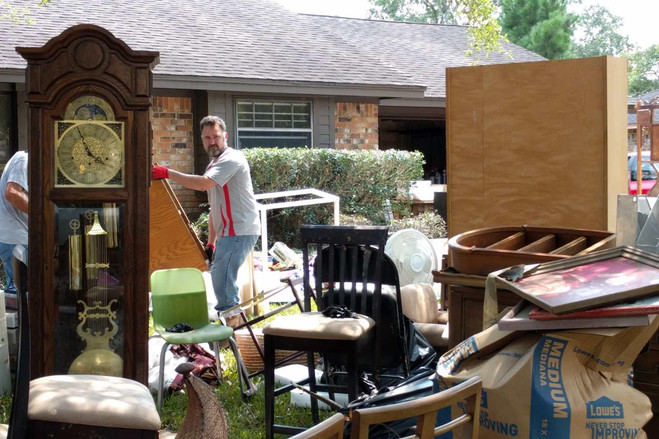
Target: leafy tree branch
[(484, 30)]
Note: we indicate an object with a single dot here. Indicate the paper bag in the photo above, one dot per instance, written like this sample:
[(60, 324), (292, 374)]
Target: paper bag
[(554, 385)]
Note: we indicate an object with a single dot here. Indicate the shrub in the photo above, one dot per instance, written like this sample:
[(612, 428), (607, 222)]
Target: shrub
[(200, 226), (428, 223), (363, 179)]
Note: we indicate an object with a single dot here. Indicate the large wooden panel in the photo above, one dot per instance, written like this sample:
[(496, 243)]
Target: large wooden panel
[(172, 242), (465, 134), (538, 143)]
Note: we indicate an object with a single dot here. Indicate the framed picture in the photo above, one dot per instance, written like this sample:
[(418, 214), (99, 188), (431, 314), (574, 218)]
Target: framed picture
[(590, 281)]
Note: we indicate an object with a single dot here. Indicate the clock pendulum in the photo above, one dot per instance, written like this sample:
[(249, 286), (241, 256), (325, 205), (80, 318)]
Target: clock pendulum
[(97, 321), (110, 213)]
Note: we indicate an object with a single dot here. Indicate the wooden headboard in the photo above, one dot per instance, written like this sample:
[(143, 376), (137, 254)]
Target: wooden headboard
[(172, 242)]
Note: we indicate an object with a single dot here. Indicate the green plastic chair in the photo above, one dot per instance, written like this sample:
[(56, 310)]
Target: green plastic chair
[(178, 295)]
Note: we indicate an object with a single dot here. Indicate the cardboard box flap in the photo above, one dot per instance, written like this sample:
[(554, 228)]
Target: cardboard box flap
[(614, 353)]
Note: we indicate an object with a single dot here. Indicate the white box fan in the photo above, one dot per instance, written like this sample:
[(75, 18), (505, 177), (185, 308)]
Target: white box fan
[(414, 256)]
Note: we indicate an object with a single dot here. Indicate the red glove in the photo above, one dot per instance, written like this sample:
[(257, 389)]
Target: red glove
[(160, 172)]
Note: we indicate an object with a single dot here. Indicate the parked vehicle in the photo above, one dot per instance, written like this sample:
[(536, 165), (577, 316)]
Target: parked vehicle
[(649, 177)]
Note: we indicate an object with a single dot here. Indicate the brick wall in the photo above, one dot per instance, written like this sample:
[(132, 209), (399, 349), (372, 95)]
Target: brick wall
[(356, 125), (173, 145)]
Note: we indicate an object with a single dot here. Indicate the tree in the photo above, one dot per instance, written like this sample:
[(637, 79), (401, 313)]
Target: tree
[(542, 26), (597, 34), (484, 29), (643, 70), (17, 14), (422, 11)]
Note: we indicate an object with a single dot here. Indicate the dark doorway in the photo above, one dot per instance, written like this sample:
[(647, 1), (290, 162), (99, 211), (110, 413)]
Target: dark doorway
[(416, 129)]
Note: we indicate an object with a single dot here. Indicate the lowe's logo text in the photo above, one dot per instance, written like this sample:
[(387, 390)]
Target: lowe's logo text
[(604, 408)]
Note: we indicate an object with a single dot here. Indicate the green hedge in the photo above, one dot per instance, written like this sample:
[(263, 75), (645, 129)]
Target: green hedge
[(363, 179)]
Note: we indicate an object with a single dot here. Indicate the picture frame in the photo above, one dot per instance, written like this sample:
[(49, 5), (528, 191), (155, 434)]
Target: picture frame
[(518, 319), (589, 281)]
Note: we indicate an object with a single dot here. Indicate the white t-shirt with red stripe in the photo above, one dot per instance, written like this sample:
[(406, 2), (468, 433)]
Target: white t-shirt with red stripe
[(232, 200)]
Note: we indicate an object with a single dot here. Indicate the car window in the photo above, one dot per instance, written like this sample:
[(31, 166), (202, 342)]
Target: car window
[(649, 172)]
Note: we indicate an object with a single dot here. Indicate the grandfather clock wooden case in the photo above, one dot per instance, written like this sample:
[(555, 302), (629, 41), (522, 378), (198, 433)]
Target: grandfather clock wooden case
[(89, 174)]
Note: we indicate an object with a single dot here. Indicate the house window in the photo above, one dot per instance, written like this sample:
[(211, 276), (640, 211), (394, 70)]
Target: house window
[(6, 128), (269, 124)]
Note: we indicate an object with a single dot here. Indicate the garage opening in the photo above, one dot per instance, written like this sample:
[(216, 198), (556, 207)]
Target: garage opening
[(416, 129)]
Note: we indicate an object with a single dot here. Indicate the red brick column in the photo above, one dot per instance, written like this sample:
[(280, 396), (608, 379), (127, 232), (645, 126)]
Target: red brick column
[(356, 125), (173, 145)]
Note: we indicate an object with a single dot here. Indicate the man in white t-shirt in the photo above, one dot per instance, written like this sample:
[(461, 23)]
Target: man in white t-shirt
[(13, 212), (233, 222)]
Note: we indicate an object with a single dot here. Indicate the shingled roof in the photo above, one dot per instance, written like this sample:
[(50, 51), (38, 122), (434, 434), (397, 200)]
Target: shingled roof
[(422, 50), (206, 42)]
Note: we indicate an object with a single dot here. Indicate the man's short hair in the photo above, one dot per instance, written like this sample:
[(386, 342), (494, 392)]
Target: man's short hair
[(212, 121)]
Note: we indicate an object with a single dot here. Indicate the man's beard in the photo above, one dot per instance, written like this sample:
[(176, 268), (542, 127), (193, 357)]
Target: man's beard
[(215, 151)]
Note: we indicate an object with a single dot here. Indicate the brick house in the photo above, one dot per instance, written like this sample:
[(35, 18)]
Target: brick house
[(651, 96), (277, 77)]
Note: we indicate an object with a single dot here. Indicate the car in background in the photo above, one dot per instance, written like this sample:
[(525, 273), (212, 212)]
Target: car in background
[(649, 177)]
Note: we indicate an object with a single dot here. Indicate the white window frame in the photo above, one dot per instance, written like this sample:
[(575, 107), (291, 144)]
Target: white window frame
[(274, 101)]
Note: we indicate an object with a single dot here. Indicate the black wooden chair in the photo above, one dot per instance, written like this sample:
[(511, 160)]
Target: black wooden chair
[(73, 406), (350, 270)]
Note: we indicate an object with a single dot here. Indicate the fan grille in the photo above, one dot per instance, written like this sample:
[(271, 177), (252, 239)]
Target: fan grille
[(414, 256)]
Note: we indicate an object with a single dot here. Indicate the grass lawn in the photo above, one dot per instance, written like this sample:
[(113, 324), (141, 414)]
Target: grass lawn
[(246, 419)]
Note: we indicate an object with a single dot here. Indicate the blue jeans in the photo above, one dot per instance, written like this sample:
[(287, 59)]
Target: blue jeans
[(230, 253), (7, 257)]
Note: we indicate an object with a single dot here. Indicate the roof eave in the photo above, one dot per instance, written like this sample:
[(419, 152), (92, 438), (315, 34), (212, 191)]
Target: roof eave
[(409, 93), (426, 102), (287, 87), (16, 76)]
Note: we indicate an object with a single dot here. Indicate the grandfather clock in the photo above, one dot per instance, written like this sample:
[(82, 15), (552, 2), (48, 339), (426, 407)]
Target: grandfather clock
[(89, 174)]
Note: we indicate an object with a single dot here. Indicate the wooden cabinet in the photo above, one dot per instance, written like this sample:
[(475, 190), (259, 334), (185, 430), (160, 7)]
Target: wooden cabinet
[(465, 310)]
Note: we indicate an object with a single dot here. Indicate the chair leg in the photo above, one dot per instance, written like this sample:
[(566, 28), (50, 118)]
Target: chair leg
[(218, 363), (243, 374), (353, 375), (161, 374), (269, 372), (311, 367)]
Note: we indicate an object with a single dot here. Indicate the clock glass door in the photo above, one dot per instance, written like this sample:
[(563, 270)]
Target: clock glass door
[(89, 289)]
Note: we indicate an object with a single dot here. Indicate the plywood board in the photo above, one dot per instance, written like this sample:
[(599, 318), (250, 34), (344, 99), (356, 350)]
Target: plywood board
[(172, 242), (540, 143), (465, 136)]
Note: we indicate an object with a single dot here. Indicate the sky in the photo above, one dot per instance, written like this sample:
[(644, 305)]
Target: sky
[(638, 15)]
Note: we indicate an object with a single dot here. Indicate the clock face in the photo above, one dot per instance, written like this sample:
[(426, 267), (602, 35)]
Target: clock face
[(89, 153)]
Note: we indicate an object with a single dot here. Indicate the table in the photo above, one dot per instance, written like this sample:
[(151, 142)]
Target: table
[(319, 197)]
